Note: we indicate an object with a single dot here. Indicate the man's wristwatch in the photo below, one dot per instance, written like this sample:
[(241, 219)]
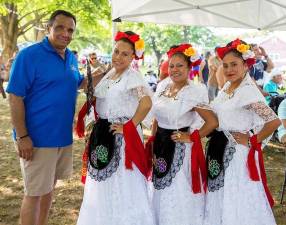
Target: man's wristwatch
[(22, 137)]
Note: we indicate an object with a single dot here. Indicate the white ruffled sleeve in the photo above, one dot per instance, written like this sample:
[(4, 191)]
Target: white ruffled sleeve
[(195, 95), (137, 84), (250, 98)]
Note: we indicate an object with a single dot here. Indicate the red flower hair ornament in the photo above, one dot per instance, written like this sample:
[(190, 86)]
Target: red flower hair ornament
[(247, 55), (136, 40), (188, 51)]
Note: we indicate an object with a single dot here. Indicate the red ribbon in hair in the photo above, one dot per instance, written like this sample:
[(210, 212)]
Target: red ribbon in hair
[(198, 164), (253, 171), (134, 150), (222, 51), (120, 35), (181, 48)]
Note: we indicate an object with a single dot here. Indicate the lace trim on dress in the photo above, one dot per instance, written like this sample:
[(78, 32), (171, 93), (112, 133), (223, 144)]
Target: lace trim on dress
[(218, 182), (140, 92), (264, 111), (203, 106), (179, 155), (103, 174)]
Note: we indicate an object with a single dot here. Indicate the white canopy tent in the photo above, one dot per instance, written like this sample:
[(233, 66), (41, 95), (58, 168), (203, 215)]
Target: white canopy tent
[(251, 14)]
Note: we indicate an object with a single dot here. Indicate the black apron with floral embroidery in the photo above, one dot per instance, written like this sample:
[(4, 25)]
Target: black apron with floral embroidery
[(164, 149), (101, 145)]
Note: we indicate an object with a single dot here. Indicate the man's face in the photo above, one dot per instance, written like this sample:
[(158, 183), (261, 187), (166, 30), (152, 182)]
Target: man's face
[(93, 58), (61, 31)]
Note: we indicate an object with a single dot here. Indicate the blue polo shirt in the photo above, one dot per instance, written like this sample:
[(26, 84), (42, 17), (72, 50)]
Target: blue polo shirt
[(48, 84)]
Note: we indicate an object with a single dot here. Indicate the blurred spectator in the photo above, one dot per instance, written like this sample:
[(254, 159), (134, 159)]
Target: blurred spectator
[(151, 79), (213, 63), (263, 63), (2, 77), (164, 70), (95, 64), (204, 68), (75, 54), (282, 117), (271, 87)]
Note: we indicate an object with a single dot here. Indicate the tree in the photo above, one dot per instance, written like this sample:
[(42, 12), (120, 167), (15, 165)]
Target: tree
[(159, 38), (18, 17)]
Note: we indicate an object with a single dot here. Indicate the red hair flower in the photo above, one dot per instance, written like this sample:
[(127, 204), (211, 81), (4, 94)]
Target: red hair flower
[(187, 50), (135, 39), (242, 47)]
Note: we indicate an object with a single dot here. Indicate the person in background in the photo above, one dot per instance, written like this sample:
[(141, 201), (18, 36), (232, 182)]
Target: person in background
[(75, 54), (95, 63), (2, 77), (271, 87), (204, 68), (164, 70), (282, 117), (214, 63), (263, 63)]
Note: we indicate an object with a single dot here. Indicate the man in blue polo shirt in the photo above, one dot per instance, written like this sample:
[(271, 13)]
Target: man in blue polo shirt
[(43, 89)]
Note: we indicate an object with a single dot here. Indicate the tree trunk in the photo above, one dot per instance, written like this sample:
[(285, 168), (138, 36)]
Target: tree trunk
[(9, 25), (185, 34), (156, 51), (39, 31)]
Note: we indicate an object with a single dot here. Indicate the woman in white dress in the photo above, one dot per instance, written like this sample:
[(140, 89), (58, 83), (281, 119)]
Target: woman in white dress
[(116, 186), (179, 171), (237, 190)]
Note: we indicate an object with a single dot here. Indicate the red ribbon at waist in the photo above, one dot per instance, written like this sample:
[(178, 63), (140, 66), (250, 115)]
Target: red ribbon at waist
[(198, 163), (252, 168), (134, 150)]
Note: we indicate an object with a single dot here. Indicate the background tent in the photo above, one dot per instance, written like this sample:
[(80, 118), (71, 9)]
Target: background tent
[(252, 14)]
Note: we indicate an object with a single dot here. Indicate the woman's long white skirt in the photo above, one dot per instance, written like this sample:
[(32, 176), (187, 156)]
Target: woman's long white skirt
[(240, 201), (121, 199), (177, 204)]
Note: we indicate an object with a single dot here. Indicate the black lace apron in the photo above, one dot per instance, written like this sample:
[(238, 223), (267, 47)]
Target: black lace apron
[(169, 157), (219, 152), (104, 151)]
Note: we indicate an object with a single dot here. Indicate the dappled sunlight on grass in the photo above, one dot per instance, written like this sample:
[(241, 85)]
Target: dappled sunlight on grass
[(68, 193)]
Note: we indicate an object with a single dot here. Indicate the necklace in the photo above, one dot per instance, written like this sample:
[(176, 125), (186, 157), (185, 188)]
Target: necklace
[(112, 82), (169, 93)]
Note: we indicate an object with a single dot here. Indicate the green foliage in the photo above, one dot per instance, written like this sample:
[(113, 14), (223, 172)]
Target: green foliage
[(93, 19), (159, 38)]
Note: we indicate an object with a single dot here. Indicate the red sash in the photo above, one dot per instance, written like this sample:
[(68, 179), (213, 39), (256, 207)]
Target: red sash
[(252, 168)]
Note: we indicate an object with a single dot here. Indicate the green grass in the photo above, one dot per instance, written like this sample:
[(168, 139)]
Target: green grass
[(68, 194)]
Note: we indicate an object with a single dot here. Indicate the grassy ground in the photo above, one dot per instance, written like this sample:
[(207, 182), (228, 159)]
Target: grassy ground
[(68, 194)]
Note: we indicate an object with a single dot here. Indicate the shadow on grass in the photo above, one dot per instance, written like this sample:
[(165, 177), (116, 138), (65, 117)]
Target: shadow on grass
[(68, 194)]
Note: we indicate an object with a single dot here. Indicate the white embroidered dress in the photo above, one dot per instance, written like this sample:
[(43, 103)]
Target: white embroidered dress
[(239, 200), (174, 201), (121, 197)]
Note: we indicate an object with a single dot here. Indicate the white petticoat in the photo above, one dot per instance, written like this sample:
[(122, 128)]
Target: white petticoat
[(121, 199), (177, 204), (241, 201)]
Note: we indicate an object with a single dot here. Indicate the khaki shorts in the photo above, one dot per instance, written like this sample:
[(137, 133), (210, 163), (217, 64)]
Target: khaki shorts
[(47, 166)]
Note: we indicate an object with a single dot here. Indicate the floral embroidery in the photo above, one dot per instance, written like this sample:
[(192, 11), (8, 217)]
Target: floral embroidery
[(103, 174), (102, 153), (179, 155), (161, 165), (214, 167)]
